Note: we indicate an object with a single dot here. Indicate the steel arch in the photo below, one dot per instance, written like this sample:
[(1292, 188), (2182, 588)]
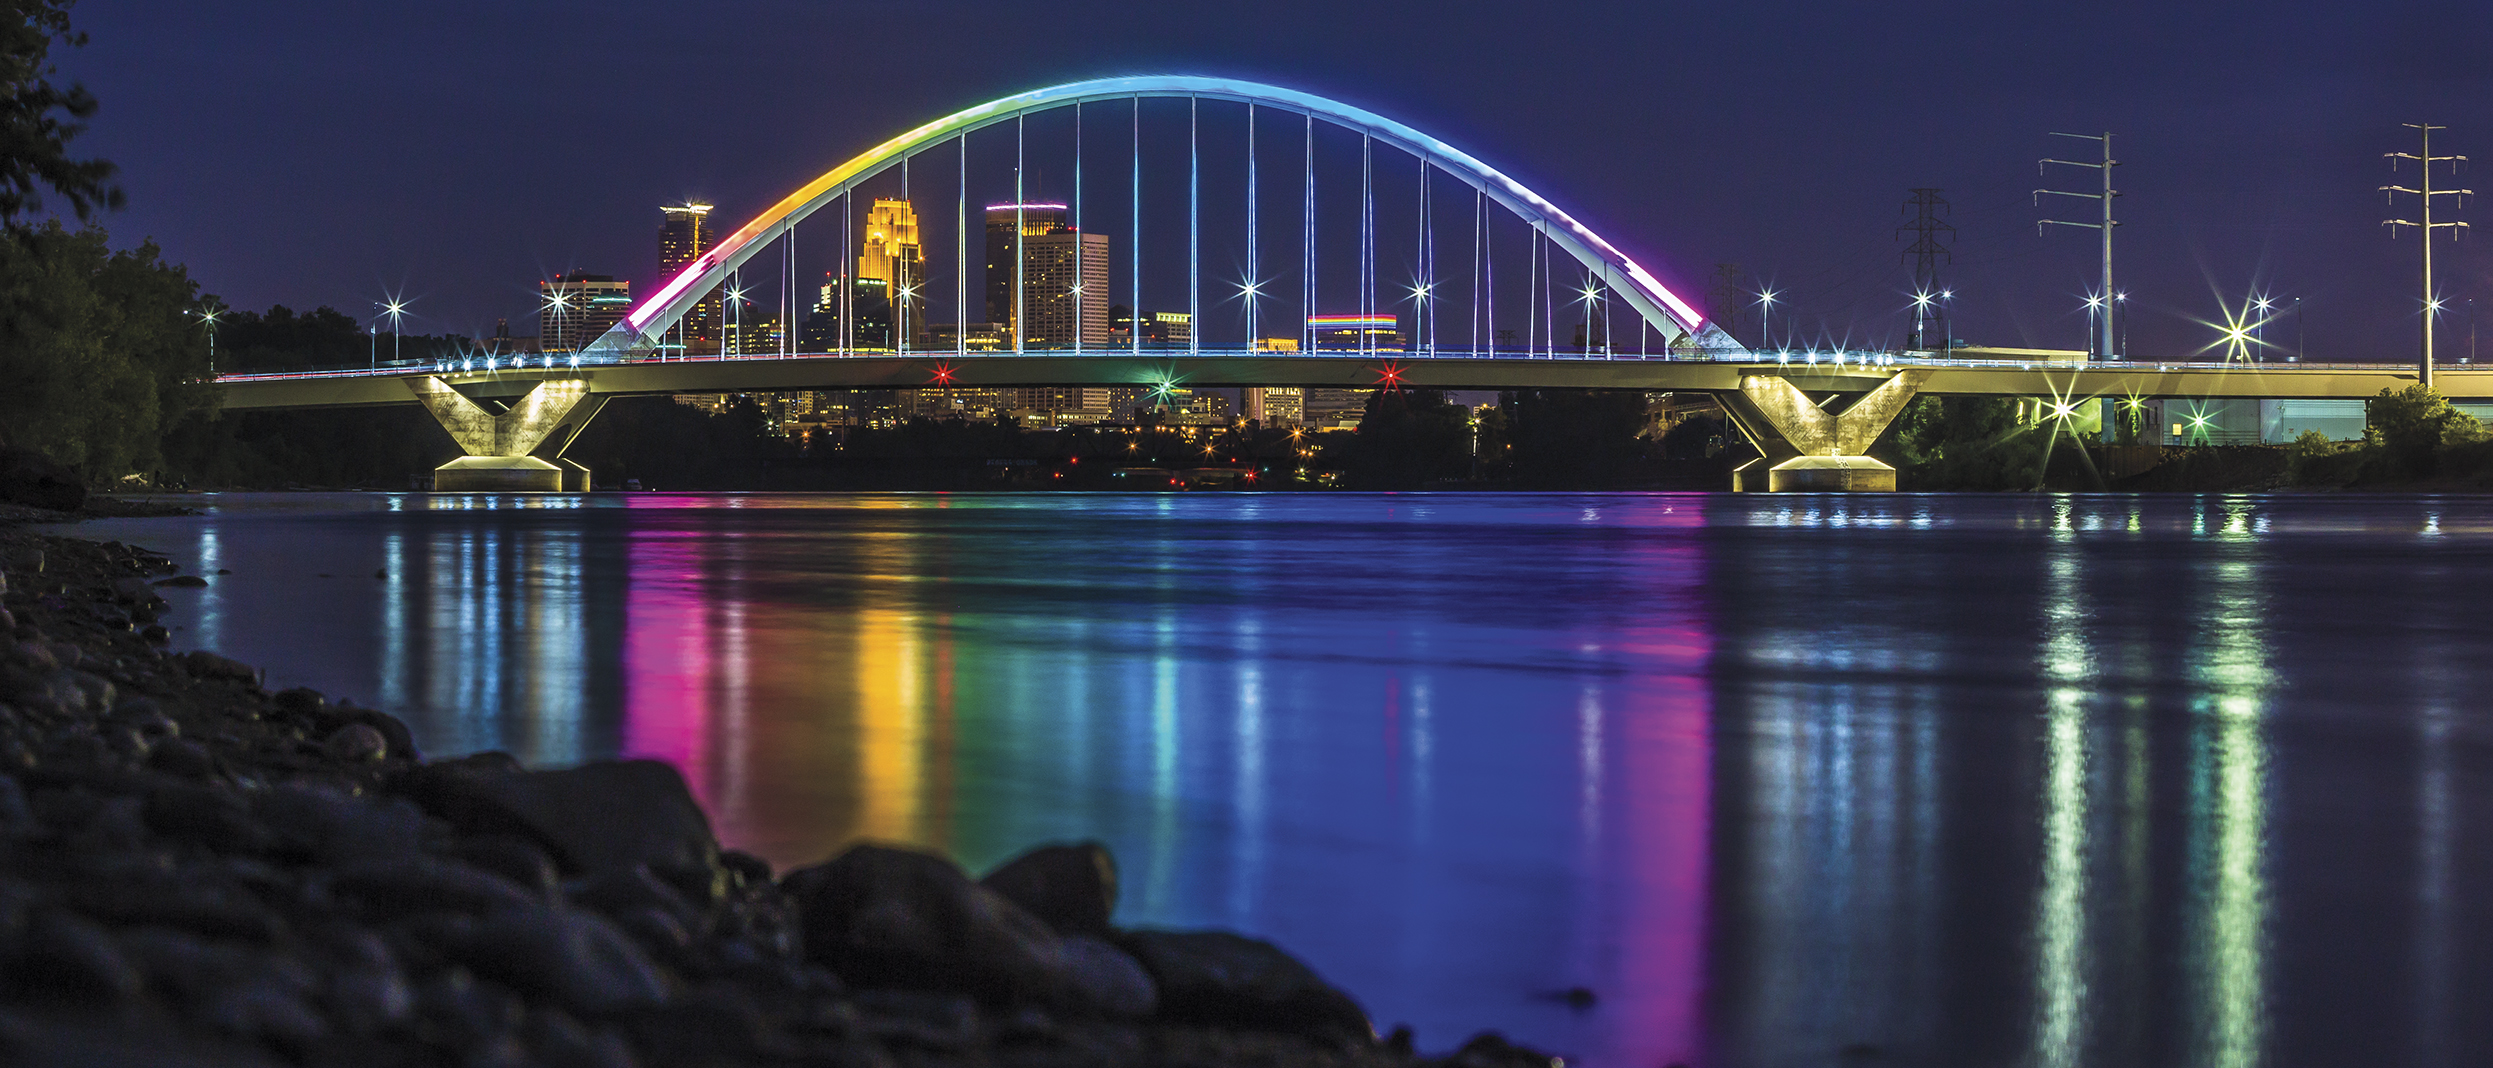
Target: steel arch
[(641, 328)]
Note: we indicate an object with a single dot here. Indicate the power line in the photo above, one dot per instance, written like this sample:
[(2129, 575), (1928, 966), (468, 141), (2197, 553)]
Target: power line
[(2432, 302), (1923, 210)]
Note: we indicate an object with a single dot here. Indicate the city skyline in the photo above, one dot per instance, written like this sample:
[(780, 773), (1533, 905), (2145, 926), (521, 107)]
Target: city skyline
[(2251, 157)]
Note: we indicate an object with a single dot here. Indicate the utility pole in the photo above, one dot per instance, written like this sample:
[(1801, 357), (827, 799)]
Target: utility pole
[(2432, 304), (2103, 307), (1924, 208)]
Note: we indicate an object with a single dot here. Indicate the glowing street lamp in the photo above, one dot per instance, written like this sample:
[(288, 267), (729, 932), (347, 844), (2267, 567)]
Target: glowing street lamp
[(1766, 319), (209, 316)]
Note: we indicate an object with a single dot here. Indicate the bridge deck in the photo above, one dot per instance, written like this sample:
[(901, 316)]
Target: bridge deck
[(760, 374)]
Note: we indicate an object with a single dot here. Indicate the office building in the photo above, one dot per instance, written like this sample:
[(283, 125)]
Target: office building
[(1059, 406), (574, 309), (946, 337), (683, 235), (1363, 333), (1327, 409), (891, 270), (1061, 273), (1275, 405), (1034, 220)]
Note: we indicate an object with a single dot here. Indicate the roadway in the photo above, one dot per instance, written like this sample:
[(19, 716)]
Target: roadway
[(1975, 376)]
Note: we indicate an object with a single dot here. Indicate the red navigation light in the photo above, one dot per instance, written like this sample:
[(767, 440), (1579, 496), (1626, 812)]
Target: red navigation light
[(1389, 375), (943, 373)]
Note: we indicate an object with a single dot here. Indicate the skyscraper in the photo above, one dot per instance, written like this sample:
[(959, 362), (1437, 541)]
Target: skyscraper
[(683, 235), (1064, 290), (890, 268), (574, 309), (1037, 220)]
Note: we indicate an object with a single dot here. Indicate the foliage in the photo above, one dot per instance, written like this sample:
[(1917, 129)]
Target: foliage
[(674, 446), (2407, 429), (98, 349), (1969, 443), (1410, 437), (38, 119), (1574, 439), (1695, 438)]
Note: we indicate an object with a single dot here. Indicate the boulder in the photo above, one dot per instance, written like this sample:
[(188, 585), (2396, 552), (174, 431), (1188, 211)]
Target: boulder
[(1073, 888), (576, 960), (879, 916), (1218, 979), (30, 479), (593, 819)]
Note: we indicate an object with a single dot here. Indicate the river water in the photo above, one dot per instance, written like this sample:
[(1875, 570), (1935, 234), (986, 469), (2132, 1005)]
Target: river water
[(1930, 780)]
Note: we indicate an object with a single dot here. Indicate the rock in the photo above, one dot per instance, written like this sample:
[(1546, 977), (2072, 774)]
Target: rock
[(183, 582), (518, 859), (401, 741), (366, 990), (1108, 980), (575, 959), (635, 889), (336, 828), (880, 916), (595, 818), (404, 888), (30, 479), (1073, 888), (1490, 1049), (218, 819), (558, 1040), (203, 664), (356, 743), (65, 956), (183, 757), (1219, 979)]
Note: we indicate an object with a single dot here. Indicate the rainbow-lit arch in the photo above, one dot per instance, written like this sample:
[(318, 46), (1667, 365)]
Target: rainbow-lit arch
[(639, 331)]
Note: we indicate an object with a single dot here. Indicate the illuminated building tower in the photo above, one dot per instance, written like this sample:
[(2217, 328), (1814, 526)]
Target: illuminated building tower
[(1274, 405), (1054, 266), (890, 268), (1366, 333), (1037, 220), (682, 237), (574, 309)]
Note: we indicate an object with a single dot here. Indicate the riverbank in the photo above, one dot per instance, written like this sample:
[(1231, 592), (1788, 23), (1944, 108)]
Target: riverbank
[(194, 870)]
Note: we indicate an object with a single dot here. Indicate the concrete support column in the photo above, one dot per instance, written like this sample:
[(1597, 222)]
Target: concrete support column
[(499, 444), (1804, 447)]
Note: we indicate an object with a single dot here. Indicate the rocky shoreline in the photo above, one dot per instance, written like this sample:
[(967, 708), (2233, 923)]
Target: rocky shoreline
[(194, 871)]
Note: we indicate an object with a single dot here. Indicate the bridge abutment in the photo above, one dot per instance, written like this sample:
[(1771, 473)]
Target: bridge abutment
[(1802, 447), (500, 445)]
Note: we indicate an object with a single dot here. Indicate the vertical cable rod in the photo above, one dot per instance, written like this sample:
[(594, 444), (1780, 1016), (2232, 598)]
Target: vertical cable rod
[(960, 258), (1367, 242), (1477, 198), (1194, 231), (1253, 278), (1020, 224), (1134, 317), (901, 295), (1307, 249), (1081, 297)]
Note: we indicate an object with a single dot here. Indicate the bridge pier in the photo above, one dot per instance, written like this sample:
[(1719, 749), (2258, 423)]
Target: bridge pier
[(1804, 448), (500, 446)]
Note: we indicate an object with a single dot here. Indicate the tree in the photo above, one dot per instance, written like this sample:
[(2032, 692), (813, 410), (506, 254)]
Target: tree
[(2410, 427), (97, 349), (1574, 438), (38, 119), (1408, 438)]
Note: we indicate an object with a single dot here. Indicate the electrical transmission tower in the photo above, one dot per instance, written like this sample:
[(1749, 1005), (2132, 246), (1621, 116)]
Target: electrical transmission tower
[(1923, 211), (2425, 160), (1727, 298), (2101, 305)]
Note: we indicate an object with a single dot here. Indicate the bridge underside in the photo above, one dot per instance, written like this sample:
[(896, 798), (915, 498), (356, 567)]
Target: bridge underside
[(1812, 425)]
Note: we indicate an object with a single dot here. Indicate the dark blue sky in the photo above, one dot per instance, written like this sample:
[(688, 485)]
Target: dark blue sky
[(315, 153)]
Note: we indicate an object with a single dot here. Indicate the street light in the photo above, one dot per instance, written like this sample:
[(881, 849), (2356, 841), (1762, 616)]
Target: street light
[(2120, 307), (209, 316), (1766, 320), (2259, 328)]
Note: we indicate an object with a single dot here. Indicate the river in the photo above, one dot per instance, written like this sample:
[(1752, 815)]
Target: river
[(1930, 780)]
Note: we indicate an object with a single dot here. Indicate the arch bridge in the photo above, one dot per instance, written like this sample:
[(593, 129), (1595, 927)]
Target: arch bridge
[(1811, 420)]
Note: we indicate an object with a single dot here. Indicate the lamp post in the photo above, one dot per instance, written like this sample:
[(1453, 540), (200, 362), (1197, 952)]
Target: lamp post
[(393, 309), (2298, 330), (1766, 320), (209, 317), (2120, 305), (1947, 320), (2259, 329)]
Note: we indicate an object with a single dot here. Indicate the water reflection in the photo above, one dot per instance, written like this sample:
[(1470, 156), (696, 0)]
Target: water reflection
[(1786, 780)]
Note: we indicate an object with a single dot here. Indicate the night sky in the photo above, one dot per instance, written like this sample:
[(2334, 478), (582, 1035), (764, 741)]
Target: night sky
[(320, 153)]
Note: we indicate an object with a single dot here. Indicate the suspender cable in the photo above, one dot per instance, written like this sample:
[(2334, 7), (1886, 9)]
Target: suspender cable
[(1081, 322), (901, 294), (1252, 278), (1018, 226), (960, 258), (1367, 241), (1307, 249), (1532, 308), (1134, 317), (1477, 198), (1194, 233)]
